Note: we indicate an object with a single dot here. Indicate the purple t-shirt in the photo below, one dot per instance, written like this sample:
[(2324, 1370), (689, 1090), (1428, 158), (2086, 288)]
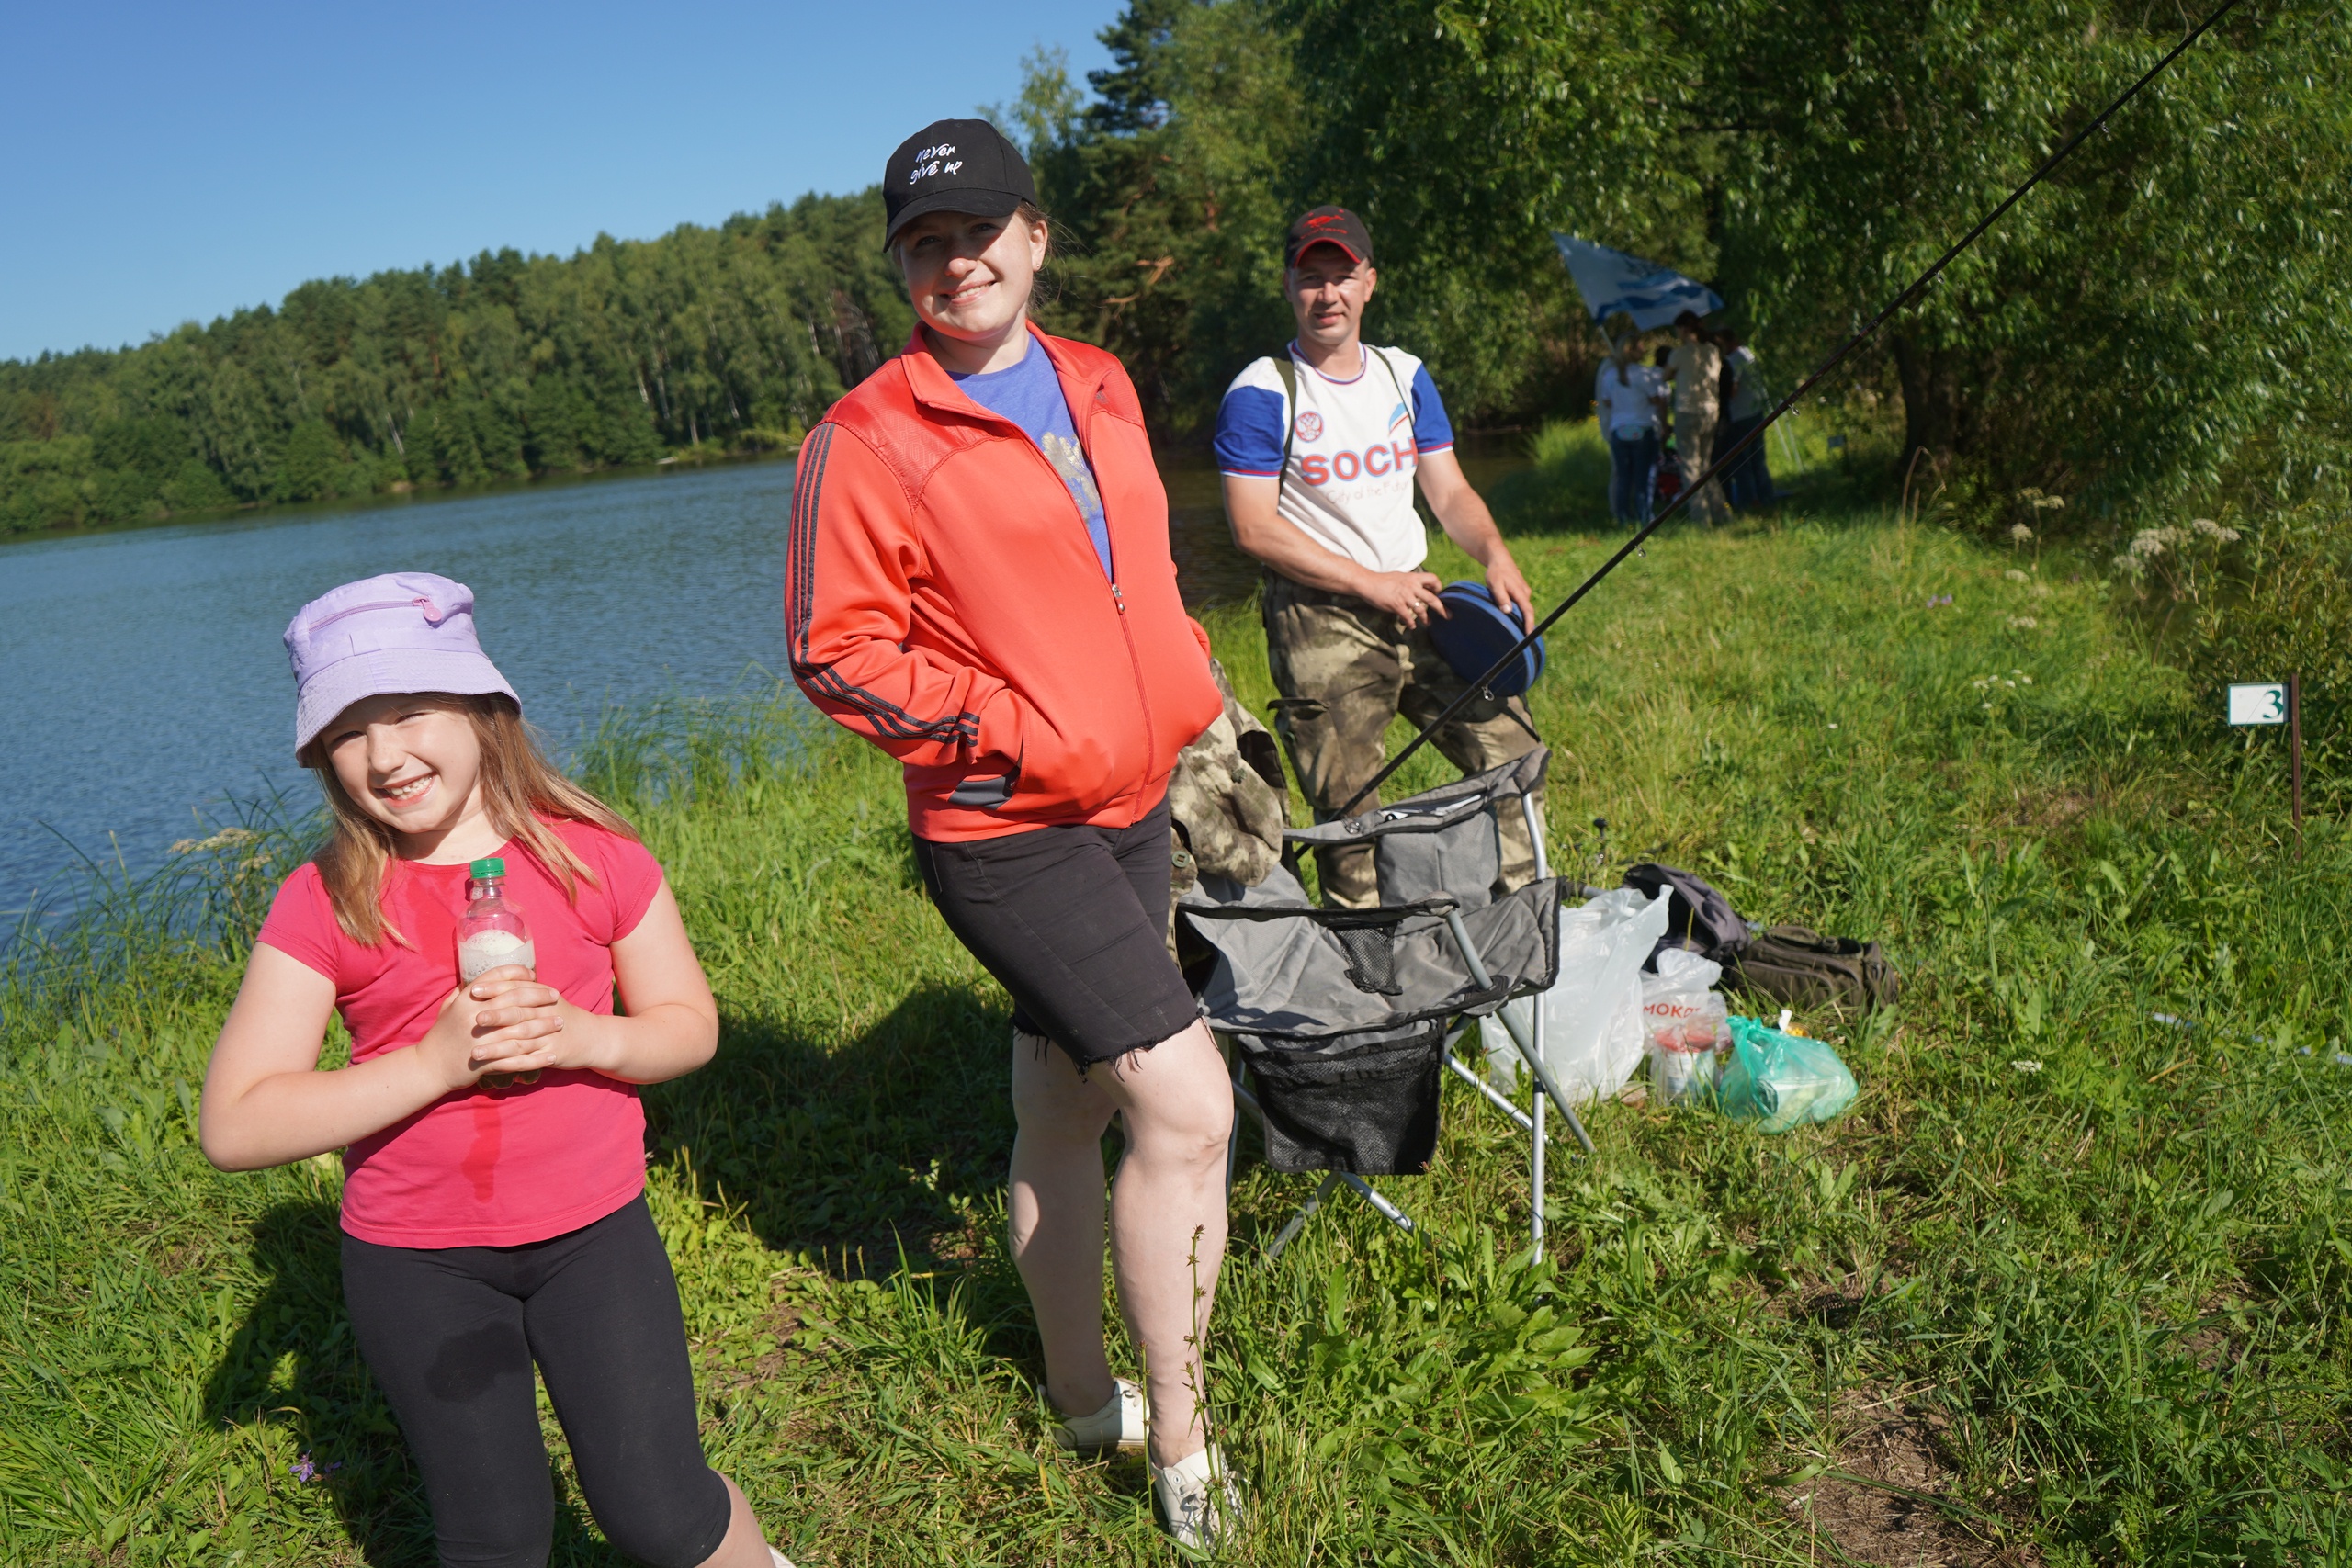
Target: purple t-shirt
[(1029, 395)]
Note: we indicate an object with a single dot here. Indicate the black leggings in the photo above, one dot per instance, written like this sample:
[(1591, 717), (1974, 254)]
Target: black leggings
[(451, 1333)]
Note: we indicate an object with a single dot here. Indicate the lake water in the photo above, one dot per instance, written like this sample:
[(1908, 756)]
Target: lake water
[(146, 685)]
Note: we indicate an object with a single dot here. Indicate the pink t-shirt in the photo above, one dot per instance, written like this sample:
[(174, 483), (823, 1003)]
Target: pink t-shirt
[(481, 1166)]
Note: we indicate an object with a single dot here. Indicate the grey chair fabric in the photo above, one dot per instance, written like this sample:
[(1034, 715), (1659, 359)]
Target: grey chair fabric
[(1341, 1014), (1293, 971), (1441, 840)]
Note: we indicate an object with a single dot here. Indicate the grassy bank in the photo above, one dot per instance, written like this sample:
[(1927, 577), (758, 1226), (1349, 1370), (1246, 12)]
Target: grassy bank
[(2066, 1286)]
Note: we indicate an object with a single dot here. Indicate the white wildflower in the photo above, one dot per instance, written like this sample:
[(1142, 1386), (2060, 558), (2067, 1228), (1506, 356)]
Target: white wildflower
[(2020, 532), (226, 839), (2022, 622), (2014, 575), (2027, 1065), (2214, 531)]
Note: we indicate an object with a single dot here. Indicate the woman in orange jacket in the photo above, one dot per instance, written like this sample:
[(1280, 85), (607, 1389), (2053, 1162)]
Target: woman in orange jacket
[(978, 582)]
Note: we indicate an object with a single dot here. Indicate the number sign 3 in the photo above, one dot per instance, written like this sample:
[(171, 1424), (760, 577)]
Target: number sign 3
[(2265, 702)]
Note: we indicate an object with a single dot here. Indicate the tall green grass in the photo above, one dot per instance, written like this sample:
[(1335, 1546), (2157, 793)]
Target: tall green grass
[(2096, 1262)]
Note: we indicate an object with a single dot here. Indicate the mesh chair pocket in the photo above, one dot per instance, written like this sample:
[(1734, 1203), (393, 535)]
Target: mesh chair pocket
[(1372, 958), (1370, 1108)]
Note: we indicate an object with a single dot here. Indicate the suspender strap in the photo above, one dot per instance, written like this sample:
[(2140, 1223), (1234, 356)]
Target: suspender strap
[(1393, 381), (1287, 368)]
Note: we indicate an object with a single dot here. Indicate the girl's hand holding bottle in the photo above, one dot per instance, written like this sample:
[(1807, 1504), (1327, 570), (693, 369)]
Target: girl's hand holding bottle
[(502, 1022)]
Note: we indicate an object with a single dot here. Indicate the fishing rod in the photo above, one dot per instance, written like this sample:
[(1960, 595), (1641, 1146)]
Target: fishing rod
[(1726, 459)]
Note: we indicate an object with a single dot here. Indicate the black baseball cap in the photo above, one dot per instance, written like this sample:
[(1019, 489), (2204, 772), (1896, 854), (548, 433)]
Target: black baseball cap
[(1328, 226), (953, 166)]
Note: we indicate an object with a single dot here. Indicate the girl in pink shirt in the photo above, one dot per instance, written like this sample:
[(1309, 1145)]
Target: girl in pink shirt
[(493, 1207)]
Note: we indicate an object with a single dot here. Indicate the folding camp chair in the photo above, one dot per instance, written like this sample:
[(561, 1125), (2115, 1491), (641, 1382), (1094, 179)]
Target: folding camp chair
[(1343, 1018)]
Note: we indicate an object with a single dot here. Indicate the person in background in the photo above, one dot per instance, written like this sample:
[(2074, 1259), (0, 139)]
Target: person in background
[(1320, 449), (1697, 366), (1627, 398), (493, 1209), (1665, 474), (978, 580), (1748, 486)]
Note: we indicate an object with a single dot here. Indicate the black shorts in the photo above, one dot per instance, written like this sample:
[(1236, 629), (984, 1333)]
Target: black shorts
[(451, 1334), (1073, 922)]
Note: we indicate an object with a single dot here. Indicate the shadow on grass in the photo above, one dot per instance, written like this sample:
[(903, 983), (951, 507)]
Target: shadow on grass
[(292, 1363), (895, 1143), (859, 1148)]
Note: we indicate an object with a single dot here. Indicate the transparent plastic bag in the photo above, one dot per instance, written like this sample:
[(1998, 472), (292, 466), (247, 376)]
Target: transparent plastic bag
[(1592, 1020), (1683, 1026), (1780, 1082)]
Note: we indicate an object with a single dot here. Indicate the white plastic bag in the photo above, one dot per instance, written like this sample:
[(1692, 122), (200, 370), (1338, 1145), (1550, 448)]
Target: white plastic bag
[(1592, 1021)]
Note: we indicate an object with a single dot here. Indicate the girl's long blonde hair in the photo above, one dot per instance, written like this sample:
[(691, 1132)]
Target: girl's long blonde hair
[(520, 788)]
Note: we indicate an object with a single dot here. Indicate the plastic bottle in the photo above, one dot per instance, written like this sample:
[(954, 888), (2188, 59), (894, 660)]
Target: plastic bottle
[(491, 934)]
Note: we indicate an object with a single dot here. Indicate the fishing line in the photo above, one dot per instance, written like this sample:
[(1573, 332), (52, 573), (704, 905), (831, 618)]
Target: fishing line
[(1725, 459)]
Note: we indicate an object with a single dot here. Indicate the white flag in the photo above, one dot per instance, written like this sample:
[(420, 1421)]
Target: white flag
[(1612, 282)]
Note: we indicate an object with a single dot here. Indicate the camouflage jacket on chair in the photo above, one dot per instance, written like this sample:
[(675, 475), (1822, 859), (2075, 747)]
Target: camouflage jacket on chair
[(1228, 800)]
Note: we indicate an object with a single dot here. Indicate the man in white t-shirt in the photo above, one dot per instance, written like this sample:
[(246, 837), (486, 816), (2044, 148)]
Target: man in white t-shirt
[(1320, 449)]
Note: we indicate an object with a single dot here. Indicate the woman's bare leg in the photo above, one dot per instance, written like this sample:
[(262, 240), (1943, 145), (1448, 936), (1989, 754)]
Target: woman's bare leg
[(1054, 1210), (1168, 1221)]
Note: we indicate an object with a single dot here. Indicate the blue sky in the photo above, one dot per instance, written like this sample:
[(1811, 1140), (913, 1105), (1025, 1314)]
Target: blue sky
[(170, 163)]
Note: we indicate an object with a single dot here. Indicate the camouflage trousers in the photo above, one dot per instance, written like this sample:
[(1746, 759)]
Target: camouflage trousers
[(1346, 669)]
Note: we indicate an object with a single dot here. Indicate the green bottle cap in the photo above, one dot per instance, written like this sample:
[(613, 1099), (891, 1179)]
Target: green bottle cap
[(491, 867)]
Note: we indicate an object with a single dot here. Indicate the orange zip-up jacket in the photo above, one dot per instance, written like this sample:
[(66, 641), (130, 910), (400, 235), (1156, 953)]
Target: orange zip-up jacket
[(943, 599)]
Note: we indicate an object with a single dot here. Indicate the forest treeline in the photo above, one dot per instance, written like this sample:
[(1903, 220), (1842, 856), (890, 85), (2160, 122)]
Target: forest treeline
[(2158, 328), (501, 368)]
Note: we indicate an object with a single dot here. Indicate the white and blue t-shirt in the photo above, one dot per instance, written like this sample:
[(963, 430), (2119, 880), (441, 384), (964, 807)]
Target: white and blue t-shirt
[(1029, 395), (1355, 445)]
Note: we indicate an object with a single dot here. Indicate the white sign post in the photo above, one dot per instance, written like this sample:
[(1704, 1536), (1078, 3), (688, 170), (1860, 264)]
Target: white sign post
[(2276, 701)]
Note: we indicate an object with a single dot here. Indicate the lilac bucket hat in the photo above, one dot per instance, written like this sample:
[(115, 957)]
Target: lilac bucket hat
[(405, 631)]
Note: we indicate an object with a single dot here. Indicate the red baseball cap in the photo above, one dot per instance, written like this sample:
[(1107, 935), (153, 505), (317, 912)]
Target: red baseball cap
[(1328, 226)]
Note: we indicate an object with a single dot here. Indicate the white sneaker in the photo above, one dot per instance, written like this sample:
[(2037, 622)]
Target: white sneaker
[(1199, 1500), (1122, 1425), (778, 1558)]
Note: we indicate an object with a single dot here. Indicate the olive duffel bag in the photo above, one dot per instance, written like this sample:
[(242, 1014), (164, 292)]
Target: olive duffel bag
[(1799, 968)]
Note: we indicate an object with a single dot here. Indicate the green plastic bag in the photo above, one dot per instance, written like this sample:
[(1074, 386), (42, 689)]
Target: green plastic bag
[(1780, 1082)]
